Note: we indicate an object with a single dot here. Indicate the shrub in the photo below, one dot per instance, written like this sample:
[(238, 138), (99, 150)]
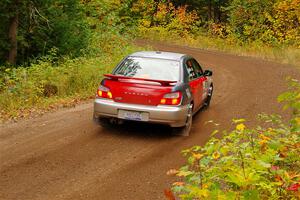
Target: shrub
[(247, 163)]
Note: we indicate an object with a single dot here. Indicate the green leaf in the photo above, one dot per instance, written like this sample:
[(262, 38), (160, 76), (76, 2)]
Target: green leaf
[(236, 178), (214, 133), (275, 145), (177, 189), (204, 161), (184, 173), (191, 160), (262, 165), (251, 195), (196, 148)]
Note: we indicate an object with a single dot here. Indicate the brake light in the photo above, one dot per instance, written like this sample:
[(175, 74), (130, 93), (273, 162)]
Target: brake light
[(171, 98), (104, 92)]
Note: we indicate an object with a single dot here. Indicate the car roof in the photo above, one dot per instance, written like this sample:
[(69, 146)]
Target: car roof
[(159, 55)]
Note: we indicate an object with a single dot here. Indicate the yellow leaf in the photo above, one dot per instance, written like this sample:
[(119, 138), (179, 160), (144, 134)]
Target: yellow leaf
[(297, 120), (197, 155), (238, 120), (178, 183), (216, 155), (263, 137), (203, 193), (240, 127), (262, 142), (214, 132), (278, 183)]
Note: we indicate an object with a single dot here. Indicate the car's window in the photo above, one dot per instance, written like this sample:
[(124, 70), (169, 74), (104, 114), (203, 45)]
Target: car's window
[(149, 68), (192, 69), (197, 68)]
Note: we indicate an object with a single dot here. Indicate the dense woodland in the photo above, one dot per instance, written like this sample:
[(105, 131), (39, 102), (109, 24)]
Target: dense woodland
[(31, 29)]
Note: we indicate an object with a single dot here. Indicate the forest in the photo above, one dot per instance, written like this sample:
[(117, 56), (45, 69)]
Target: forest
[(31, 29)]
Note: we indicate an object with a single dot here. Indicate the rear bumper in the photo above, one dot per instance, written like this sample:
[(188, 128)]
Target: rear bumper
[(170, 115)]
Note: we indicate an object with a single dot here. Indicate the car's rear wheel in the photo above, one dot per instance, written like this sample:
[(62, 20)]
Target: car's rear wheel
[(107, 122), (104, 122), (185, 130)]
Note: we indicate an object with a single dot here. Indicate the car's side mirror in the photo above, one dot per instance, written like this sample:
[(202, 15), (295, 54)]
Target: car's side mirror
[(208, 73)]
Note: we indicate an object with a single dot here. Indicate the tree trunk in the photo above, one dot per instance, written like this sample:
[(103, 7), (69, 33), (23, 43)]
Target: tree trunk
[(217, 12), (209, 10), (12, 35)]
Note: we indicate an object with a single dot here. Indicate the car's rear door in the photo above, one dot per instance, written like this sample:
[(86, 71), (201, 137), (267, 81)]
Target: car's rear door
[(202, 81), (195, 82)]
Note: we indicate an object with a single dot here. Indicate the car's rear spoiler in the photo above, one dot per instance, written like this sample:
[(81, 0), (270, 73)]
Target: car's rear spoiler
[(116, 77)]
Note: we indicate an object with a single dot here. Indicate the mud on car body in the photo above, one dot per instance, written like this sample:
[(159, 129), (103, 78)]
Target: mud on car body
[(155, 87)]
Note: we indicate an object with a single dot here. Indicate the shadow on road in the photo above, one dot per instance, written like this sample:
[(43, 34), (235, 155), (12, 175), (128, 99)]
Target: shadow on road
[(145, 130), (138, 130)]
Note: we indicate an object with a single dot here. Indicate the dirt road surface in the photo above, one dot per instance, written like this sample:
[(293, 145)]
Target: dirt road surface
[(64, 155)]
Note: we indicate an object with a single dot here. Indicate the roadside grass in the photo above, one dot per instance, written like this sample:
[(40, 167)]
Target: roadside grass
[(53, 82), (282, 54)]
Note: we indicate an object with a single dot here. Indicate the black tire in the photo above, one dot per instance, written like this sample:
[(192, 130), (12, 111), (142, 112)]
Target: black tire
[(104, 122), (209, 95), (185, 130)]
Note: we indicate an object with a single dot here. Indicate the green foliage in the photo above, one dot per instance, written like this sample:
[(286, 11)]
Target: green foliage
[(70, 25), (273, 22), (68, 29), (44, 25), (165, 20), (247, 18), (53, 80), (75, 43), (285, 21), (244, 163), (207, 10), (292, 100)]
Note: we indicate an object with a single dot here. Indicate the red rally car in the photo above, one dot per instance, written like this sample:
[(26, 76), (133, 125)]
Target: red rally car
[(154, 87)]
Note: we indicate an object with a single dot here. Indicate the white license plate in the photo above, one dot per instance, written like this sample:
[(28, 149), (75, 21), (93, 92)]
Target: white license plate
[(133, 115)]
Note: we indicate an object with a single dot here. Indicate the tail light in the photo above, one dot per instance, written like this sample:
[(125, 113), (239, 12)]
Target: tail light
[(104, 92), (171, 99)]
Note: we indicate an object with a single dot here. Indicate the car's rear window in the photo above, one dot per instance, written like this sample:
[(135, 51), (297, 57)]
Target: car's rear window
[(149, 68)]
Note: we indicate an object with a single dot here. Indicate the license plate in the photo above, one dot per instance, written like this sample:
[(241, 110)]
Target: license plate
[(133, 115)]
